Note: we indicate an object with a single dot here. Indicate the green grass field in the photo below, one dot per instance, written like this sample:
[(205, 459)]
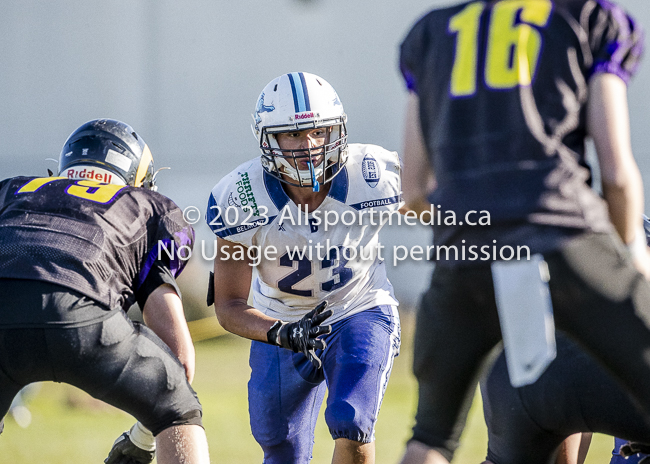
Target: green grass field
[(70, 427)]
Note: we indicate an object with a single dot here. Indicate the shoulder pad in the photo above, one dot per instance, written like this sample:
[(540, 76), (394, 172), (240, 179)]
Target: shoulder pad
[(374, 174), (239, 203)]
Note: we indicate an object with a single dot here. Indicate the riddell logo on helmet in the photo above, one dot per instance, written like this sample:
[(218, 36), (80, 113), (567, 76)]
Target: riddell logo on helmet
[(99, 175), (304, 115)]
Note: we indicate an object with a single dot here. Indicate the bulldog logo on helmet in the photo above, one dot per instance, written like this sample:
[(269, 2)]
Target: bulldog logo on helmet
[(261, 108)]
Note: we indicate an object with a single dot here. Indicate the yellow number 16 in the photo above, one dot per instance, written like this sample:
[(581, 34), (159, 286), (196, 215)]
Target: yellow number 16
[(512, 49)]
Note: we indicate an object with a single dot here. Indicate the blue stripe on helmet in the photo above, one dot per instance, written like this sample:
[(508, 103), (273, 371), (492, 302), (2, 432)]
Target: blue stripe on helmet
[(298, 89), (305, 92), (293, 91)]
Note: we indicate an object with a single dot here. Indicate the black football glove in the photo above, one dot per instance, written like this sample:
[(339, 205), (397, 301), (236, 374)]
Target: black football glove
[(124, 450), (210, 296), (632, 448), (302, 336)]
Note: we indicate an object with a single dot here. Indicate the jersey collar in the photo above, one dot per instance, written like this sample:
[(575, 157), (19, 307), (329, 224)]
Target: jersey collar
[(338, 190)]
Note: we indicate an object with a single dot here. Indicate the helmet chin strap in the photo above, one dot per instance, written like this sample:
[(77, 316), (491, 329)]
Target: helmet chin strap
[(314, 182)]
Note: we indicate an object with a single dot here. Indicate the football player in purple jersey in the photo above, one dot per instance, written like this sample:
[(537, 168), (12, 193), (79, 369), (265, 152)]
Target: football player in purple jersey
[(76, 251), (502, 96)]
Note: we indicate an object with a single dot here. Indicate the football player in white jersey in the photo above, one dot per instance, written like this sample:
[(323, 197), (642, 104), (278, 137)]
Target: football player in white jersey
[(300, 225)]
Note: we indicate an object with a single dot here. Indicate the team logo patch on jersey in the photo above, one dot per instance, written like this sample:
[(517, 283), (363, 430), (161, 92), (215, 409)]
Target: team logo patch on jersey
[(245, 193), (371, 171), (232, 201)]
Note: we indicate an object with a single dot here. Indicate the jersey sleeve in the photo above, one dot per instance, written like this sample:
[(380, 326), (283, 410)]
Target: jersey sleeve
[(4, 182), (393, 169), (172, 240), (412, 50), (233, 212), (159, 274), (616, 41), (377, 174), (3, 193)]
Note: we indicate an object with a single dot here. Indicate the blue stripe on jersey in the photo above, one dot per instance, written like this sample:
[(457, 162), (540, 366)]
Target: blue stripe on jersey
[(223, 233), (339, 189), (378, 202), (213, 215), (275, 191), (300, 94)]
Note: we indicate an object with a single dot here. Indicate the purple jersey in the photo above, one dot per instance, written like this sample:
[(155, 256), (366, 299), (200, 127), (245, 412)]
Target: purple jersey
[(503, 90), (101, 240)]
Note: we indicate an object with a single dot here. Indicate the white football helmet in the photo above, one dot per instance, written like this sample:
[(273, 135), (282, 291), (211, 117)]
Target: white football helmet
[(294, 102)]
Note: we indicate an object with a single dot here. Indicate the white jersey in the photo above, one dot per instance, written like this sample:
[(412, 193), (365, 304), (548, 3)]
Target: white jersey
[(332, 253)]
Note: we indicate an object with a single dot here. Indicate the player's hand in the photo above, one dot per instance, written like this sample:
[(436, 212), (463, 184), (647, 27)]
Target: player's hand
[(125, 451), (302, 336), (632, 448)]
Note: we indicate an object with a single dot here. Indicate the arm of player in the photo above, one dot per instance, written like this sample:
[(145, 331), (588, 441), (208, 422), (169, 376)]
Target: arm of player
[(608, 124), (574, 448), (163, 313), (418, 178), (232, 283)]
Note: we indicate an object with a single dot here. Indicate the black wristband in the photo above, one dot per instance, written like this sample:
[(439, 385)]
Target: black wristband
[(272, 336), (210, 295), (284, 339)]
